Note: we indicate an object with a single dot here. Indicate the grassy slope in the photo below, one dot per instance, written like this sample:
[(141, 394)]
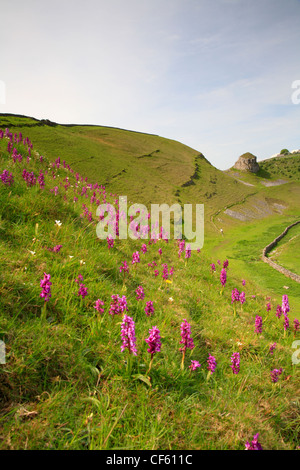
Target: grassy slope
[(146, 168), (65, 384), (287, 167), (269, 210), (141, 164), (149, 168), (287, 252)]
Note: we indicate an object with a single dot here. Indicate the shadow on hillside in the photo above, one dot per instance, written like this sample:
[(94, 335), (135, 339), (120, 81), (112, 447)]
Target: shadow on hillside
[(262, 173)]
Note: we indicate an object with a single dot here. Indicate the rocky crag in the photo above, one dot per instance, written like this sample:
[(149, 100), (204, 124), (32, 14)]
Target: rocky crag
[(247, 162)]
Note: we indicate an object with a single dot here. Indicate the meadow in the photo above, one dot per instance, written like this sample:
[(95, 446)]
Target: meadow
[(286, 253), (136, 344)]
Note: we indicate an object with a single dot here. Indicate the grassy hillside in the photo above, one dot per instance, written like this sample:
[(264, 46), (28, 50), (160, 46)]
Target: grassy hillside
[(253, 222), (143, 164), (287, 252), (147, 168), (66, 383), (287, 167)]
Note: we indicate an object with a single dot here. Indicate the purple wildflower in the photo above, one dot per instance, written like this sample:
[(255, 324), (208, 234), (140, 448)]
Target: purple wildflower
[(80, 278), (286, 323), (255, 445), (194, 365), (225, 264), (135, 257), (110, 242), (278, 311), (275, 373), (242, 297), (118, 305), (153, 341), (272, 348), (235, 295), (296, 325), (144, 248), (140, 295), (149, 309), (213, 267), (54, 190), (7, 178), (41, 180), (98, 306), (165, 273), (235, 362), (82, 291), (16, 156), (186, 339), (188, 251), (223, 277), (268, 306), (124, 267), (57, 248), (160, 251), (151, 265), (128, 335), (181, 248), (29, 178), (258, 324), (212, 364), (46, 286), (285, 305), (243, 282)]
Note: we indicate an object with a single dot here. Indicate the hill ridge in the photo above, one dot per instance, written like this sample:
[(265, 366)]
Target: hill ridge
[(48, 122)]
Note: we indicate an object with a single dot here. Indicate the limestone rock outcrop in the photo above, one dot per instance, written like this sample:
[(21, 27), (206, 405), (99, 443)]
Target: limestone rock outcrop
[(247, 162)]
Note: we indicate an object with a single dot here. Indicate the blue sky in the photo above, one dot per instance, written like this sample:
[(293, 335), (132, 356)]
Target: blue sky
[(214, 75)]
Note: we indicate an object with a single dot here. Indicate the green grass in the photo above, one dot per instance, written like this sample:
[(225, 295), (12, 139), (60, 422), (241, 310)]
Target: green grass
[(271, 169), (146, 168), (267, 211), (284, 167), (243, 246), (67, 385), (286, 253)]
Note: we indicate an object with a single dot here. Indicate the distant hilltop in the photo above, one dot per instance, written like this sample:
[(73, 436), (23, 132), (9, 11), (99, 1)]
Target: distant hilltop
[(247, 162), (285, 152)]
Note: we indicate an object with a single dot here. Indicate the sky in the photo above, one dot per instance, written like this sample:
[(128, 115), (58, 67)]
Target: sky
[(216, 75)]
